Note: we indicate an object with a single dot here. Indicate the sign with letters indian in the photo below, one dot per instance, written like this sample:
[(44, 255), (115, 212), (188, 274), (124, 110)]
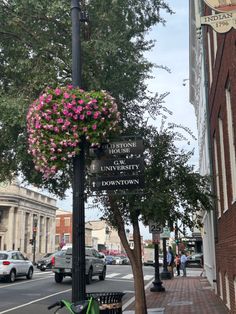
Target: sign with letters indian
[(223, 21)]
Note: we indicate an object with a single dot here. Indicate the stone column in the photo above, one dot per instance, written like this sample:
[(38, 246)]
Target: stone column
[(10, 231)]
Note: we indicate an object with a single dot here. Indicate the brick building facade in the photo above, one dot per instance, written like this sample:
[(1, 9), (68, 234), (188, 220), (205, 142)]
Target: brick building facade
[(64, 229), (218, 51)]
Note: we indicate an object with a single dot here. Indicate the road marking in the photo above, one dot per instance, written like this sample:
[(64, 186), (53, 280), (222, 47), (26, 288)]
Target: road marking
[(25, 304), (112, 275), (21, 282), (133, 298), (130, 276), (148, 277)]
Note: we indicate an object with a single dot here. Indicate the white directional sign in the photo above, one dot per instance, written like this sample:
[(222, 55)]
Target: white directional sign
[(117, 165), (165, 233)]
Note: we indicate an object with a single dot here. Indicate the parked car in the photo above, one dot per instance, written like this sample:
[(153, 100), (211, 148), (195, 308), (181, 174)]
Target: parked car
[(109, 259), (117, 260), (46, 261), (194, 260), (13, 264), (125, 260)]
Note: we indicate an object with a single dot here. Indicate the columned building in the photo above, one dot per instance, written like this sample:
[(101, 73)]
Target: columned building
[(25, 214)]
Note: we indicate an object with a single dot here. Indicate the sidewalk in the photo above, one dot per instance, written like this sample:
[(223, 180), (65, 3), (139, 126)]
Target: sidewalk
[(185, 295)]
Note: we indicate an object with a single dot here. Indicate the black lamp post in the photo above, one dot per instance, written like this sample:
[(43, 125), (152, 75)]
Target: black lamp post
[(35, 225), (78, 253), (165, 274), (157, 283)]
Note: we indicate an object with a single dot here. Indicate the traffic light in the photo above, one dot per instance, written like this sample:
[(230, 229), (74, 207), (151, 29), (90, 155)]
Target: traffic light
[(177, 241), (31, 241)]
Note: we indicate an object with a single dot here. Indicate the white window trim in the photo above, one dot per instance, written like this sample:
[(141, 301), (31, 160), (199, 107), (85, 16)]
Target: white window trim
[(217, 178), (227, 291), (221, 286), (223, 170)]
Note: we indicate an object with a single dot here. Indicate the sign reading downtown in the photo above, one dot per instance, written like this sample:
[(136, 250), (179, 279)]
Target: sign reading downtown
[(117, 182), (121, 166), (225, 20)]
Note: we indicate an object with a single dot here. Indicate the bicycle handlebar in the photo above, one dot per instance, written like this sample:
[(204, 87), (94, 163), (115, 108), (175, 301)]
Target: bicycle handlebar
[(58, 303)]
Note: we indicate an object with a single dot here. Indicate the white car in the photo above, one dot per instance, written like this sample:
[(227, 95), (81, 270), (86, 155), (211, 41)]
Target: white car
[(13, 264), (117, 260)]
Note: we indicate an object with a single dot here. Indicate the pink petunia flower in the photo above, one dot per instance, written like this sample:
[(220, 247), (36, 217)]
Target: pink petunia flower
[(58, 91), (66, 95), (82, 117)]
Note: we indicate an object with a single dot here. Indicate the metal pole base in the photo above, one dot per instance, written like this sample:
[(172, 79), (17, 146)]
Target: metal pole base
[(165, 274), (157, 287)]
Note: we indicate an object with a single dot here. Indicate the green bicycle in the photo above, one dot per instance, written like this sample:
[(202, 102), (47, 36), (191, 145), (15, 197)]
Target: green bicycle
[(83, 307)]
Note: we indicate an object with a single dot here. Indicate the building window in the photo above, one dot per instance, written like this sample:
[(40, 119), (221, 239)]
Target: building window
[(67, 221), (57, 239), (223, 170), (66, 238), (227, 291), (58, 222), (221, 286), (231, 142), (217, 177)]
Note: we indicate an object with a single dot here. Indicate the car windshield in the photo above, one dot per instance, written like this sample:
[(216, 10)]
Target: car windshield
[(47, 255), (3, 256)]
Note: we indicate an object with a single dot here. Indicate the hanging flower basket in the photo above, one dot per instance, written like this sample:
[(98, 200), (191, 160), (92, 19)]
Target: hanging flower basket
[(60, 118)]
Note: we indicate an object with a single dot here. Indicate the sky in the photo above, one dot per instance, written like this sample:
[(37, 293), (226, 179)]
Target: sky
[(171, 50)]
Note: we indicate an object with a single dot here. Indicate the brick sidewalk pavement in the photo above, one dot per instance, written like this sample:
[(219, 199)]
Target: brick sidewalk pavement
[(185, 295)]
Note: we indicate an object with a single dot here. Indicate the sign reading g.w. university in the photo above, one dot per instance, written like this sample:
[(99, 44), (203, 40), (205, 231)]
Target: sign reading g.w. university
[(223, 21)]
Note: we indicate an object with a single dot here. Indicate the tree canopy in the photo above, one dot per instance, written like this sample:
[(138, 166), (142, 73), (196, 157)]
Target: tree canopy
[(35, 49)]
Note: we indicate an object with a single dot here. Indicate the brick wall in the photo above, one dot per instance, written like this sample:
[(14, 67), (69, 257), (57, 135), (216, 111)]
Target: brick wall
[(224, 71)]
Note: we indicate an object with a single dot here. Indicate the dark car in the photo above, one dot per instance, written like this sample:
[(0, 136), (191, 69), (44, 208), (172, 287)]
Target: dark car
[(109, 260), (194, 260), (46, 261)]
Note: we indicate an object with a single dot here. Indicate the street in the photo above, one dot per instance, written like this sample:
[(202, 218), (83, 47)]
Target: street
[(33, 296)]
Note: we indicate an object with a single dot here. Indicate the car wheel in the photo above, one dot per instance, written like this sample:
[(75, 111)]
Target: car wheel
[(89, 277), (30, 273), (12, 276), (58, 277), (103, 274)]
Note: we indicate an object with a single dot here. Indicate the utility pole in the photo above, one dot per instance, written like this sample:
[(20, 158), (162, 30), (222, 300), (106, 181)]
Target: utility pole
[(78, 253)]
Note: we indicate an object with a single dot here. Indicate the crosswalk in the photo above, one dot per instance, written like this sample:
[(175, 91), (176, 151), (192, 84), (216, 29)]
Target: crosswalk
[(108, 276)]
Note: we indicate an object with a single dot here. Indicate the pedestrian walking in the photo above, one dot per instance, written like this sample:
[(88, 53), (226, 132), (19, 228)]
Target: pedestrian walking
[(177, 264), (170, 260), (183, 261)]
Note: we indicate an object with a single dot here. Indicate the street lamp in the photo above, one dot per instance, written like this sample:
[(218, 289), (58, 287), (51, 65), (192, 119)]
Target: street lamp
[(157, 283), (35, 225)]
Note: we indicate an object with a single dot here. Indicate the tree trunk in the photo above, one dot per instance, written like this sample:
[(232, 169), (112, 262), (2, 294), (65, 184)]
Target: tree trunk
[(140, 296), (135, 257)]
